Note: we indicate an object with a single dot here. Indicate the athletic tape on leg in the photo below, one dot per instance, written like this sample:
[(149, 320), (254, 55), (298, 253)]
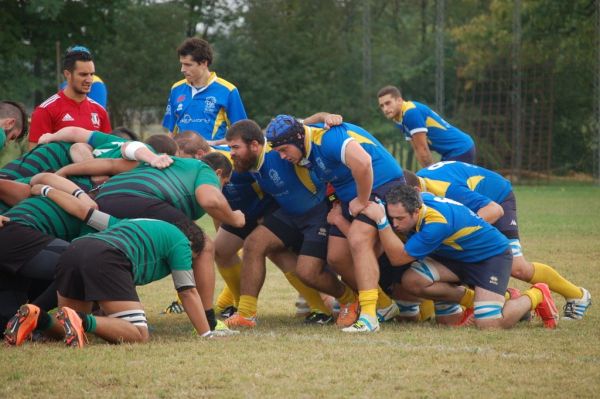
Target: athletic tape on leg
[(429, 272), (136, 317), (443, 308), (488, 310)]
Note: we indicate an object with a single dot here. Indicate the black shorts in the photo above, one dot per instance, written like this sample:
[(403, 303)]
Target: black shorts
[(130, 206), (379, 192), (19, 244), (469, 156), (304, 234), (507, 224), (491, 274), (390, 275), (93, 270), (251, 223)]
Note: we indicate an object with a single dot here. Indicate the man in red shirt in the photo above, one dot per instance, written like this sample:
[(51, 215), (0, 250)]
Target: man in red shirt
[(71, 106)]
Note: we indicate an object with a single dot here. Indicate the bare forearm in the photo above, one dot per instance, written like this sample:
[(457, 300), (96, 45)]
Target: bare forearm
[(192, 304), (394, 248), (12, 192)]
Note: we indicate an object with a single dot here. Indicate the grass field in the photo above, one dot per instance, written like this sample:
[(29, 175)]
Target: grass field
[(560, 225)]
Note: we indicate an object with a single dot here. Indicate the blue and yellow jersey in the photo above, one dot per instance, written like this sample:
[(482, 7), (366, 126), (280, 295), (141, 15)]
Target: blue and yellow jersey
[(325, 149), (296, 189), (210, 111), (451, 230), (97, 92), (243, 192), (442, 137), (471, 185)]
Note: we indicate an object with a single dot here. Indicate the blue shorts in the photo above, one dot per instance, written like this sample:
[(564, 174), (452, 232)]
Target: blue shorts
[(390, 275), (491, 274), (305, 234), (469, 156), (378, 192), (507, 224)]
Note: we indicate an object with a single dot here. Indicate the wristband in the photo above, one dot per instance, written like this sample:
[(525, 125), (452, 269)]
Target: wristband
[(77, 192), (45, 190), (382, 223)]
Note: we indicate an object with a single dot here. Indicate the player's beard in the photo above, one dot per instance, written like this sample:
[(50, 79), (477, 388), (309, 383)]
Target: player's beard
[(242, 165)]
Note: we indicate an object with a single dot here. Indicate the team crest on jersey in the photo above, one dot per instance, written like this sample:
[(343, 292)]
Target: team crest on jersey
[(95, 119), (179, 107), (210, 104), (181, 98), (275, 178)]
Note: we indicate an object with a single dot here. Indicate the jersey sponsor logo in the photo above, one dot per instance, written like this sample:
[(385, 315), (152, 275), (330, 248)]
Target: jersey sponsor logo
[(210, 104), (67, 118), (187, 118), (179, 107), (275, 178), (95, 119), (321, 164), (181, 98), (168, 110), (494, 280)]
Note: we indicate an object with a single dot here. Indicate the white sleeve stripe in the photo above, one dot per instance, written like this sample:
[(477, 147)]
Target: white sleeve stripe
[(49, 101), (418, 130), (343, 154)]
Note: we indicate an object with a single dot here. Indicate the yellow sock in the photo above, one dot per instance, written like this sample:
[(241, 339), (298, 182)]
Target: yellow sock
[(232, 276), (383, 300), (348, 296), (312, 296), (368, 302), (546, 274), (224, 300), (247, 306), (535, 295), (468, 299), (426, 310)]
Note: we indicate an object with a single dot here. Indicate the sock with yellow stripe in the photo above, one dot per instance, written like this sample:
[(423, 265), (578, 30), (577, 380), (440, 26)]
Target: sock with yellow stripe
[(546, 274), (348, 296), (383, 300), (535, 295), (232, 276), (368, 302), (426, 310), (312, 296), (224, 300), (468, 299), (248, 305)]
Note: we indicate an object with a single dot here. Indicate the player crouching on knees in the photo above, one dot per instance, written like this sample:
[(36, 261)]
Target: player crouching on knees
[(105, 267), (469, 251)]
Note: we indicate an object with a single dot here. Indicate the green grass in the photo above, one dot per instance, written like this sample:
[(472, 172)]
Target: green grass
[(560, 225)]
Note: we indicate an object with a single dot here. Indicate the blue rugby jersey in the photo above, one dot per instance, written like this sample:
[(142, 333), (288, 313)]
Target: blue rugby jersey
[(295, 188), (209, 112), (442, 137), (471, 185), (451, 230), (243, 192), (325, 149)]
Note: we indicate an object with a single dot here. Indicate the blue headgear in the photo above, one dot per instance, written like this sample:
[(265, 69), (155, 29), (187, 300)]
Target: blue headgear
[(78, 49), (285, 129)]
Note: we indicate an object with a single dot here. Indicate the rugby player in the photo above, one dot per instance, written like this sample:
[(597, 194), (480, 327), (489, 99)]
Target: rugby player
[(425, 129)]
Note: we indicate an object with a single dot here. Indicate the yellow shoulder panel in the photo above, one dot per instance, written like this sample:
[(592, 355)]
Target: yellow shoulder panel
[(430, 122), (317, 135), (97, 79), (359, 138), (433, 216), (225, 83), (179, 83), (473, 181), (436, 187), (406, 105)]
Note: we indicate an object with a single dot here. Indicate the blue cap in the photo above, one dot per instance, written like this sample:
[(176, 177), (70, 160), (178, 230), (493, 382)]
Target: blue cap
[(285, 129), (78, 49)]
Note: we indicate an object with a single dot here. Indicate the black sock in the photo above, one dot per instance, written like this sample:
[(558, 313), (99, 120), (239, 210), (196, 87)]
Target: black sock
[(84, 320), (212, 320), (44, 321)]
